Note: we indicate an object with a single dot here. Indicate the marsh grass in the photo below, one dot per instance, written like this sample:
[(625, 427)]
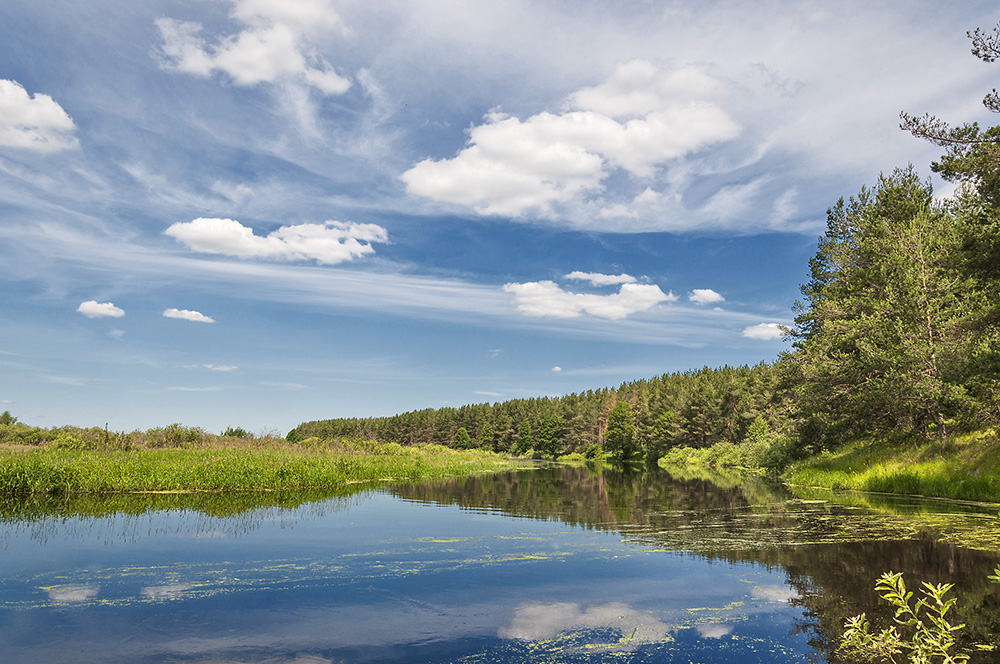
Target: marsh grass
[(181, 459), (966, 468)]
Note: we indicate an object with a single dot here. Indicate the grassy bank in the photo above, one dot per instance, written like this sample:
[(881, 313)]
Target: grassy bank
[(966, 468), (215, 463)]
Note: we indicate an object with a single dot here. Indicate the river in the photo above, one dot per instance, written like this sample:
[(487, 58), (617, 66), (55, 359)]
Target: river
[(554, 564)]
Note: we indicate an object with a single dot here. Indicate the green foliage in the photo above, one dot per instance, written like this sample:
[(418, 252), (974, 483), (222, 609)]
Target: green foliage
[(462, 440), (525, 441), (620, 437), (927, 637), (236, 432), (593, 452), (6, 418), (882, 343), (967, 469), (548, 437), (693, 408), (485, 438)]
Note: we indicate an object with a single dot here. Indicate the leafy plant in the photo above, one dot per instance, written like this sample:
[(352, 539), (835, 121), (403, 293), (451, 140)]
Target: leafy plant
[(927, 637)]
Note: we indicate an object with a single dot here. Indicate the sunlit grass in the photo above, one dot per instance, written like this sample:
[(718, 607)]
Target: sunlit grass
[(966, 468), (228, 465)]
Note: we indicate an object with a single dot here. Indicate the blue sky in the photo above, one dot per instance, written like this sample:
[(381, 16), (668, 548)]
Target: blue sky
[(256, 213)]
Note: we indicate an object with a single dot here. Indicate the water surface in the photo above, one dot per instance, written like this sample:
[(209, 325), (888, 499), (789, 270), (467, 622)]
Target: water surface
[(548, 565)]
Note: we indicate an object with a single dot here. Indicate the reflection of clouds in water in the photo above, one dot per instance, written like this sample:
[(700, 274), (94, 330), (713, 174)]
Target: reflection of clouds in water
[(165, 592), (536, 621), (714, 631), (72, 593), (775, 593)]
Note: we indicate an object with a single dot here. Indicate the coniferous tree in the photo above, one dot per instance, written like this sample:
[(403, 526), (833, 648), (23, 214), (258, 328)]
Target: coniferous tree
[(620, 439), (880, 332)]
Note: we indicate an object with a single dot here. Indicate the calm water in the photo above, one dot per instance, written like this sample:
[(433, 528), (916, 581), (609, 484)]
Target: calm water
[(549, 565)]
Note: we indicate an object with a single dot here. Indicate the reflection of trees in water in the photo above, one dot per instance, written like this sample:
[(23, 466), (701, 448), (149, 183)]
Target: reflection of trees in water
[(831, 553)]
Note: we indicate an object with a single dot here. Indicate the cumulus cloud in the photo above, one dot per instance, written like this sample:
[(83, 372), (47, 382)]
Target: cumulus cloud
[(548, 299), (187, 314), (597, 279), (764, 331), (330, 242), (277, 42), (637, 121), (95, 309), (705, 296), (556, 369), (36, 123)]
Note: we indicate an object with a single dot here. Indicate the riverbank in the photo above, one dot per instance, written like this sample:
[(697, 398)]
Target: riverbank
[(226, 464), (967, 467)]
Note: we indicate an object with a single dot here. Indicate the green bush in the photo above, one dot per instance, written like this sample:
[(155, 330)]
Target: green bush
[(927, 637)]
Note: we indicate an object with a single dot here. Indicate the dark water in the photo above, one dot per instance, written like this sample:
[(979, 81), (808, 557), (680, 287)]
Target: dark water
[(548, 565)]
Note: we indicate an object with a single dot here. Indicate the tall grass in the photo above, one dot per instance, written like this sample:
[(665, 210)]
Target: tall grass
[(214, 463), (966, 468)]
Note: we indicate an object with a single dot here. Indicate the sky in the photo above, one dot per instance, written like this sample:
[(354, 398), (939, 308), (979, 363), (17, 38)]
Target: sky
[(255, 213)]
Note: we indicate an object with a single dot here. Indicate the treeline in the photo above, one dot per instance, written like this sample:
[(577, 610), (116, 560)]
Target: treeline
[(897, 335), (694, 408)]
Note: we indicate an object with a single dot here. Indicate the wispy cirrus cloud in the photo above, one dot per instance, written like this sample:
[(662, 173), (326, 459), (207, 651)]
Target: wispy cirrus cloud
[(33, 122), (597, 279)]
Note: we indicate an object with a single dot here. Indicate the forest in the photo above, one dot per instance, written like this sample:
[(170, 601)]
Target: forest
[(896, 336)]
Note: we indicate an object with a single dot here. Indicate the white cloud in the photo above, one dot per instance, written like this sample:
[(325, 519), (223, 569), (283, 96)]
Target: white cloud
[(164, 592), (95, 309), (187, 314), (538, 621), (597, 279), (73, 593), (556, 369), (714, 631), (547, 299), (705, 296), (637, 121), (35, 123), (331, 242), (277, 43), (763, 331)]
